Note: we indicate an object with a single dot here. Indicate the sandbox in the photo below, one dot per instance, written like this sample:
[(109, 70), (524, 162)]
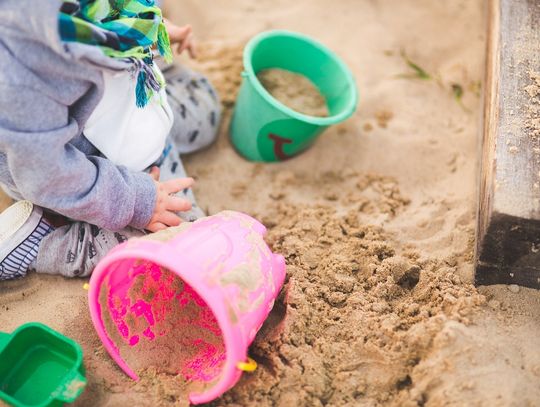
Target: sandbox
[(376, 222)]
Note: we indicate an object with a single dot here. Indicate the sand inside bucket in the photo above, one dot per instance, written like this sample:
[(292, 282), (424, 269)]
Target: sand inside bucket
[(176, 338), (295, 91)]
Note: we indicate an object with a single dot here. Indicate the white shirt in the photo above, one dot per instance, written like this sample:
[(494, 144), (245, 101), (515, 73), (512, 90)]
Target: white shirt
[(124, 133)]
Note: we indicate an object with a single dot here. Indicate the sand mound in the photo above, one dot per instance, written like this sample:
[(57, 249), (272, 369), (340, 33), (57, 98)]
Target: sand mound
[(356, 317)]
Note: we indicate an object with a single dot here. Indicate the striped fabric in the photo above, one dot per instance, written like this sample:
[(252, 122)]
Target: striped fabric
[(16, 263), (122, 29)]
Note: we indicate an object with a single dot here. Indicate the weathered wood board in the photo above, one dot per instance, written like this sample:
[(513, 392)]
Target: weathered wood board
[(508, 230)]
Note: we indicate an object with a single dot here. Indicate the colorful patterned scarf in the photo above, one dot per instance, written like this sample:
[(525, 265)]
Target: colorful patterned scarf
[(122, 29)]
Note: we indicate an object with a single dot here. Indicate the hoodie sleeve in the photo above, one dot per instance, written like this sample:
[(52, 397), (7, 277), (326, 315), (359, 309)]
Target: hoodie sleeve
[(35, 135)]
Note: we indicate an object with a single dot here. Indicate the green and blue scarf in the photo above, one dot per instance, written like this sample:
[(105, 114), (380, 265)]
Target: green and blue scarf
[(122, 29)]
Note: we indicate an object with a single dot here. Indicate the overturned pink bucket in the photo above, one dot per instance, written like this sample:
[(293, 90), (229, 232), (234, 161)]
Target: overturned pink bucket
[(191, 302)]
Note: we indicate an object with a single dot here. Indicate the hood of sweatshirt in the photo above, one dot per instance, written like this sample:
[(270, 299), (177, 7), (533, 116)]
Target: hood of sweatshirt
[(37, 21), (34, 20)]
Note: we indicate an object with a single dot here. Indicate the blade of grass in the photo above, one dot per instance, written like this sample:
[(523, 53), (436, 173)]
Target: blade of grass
[(457, 90), (419, 72)]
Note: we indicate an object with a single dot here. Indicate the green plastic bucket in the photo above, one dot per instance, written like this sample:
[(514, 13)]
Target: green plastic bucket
[(264, 129), (39, 367)]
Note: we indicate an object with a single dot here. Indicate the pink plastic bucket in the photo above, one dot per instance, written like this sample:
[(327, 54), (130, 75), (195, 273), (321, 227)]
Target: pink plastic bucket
[(193, 302)]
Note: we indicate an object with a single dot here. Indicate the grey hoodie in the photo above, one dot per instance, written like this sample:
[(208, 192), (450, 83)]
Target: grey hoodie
[(48, 90)]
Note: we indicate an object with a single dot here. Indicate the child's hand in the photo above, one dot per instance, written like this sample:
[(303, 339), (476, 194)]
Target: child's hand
[(166, 203), (183, 36)]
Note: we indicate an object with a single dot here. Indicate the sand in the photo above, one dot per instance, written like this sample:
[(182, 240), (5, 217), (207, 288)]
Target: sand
[(158, 352), (376, 222), (154, 343), (294, 91)]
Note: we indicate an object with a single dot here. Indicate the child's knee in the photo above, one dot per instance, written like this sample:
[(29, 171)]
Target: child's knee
[(214, 120), (197, 112), (210, 112)]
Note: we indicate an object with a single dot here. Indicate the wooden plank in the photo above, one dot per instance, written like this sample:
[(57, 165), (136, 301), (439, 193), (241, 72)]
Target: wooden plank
[(508, 229)]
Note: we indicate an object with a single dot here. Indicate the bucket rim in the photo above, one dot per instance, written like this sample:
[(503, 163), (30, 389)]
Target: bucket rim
[(75, 370), (157, 252), (347, 112)]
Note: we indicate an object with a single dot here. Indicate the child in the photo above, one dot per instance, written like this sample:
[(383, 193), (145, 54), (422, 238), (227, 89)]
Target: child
[(90, 136)]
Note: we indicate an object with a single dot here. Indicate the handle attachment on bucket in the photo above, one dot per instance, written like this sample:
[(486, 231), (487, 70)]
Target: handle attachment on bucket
[(249, 366)]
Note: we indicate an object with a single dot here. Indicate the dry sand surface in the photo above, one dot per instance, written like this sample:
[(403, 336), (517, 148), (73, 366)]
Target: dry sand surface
[(376, 222), (294, 90)]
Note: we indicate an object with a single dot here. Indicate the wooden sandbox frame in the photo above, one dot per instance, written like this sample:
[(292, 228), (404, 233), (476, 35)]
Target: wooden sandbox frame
[(508, 228)]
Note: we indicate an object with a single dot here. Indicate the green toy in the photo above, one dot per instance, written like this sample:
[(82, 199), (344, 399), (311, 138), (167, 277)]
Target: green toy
[(39, 367), (263, 129)]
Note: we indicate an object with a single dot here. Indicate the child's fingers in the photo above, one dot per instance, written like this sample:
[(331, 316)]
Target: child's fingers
[(192, 49), (154, 173), (190, 40), (188, 29), (170, 219), (156, 227), (185, 43), (176, 204), (180, 47), (176, 185), (180, 33)]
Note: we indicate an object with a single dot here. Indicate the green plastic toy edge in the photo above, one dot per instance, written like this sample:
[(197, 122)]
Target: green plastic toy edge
[(60, 397)]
